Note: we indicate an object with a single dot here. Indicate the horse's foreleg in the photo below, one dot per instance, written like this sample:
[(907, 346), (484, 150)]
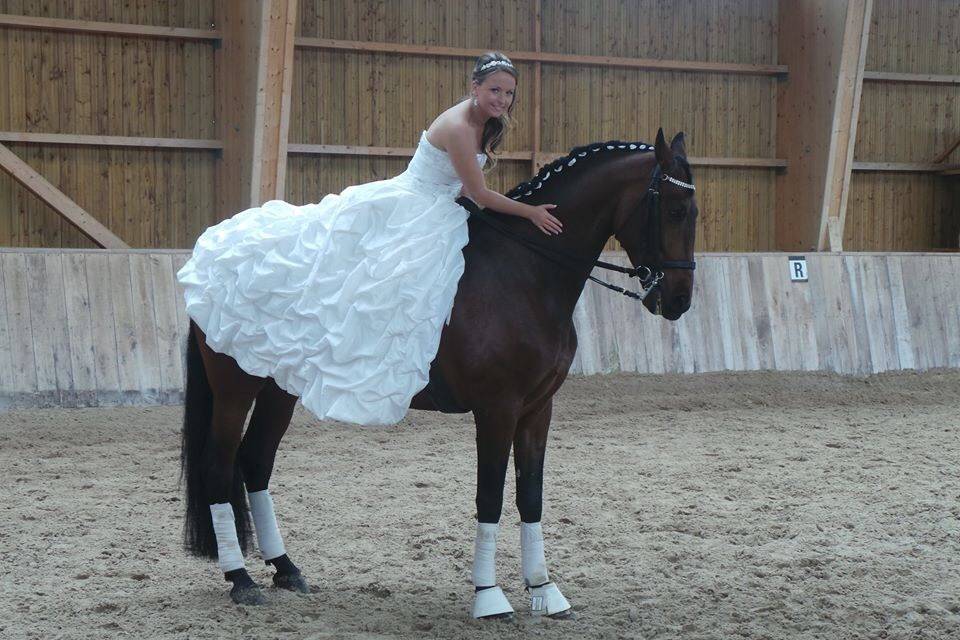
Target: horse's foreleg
[(271, 417), (530, 445), (495, 430)]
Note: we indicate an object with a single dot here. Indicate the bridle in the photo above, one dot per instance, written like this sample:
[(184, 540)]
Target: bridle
[(649, 277)]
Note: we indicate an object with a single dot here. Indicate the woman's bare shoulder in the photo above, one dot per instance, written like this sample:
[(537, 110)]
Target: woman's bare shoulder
[(450, 128)]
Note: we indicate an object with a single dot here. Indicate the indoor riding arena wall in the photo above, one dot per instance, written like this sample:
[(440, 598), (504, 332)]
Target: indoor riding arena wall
[(89, 328)]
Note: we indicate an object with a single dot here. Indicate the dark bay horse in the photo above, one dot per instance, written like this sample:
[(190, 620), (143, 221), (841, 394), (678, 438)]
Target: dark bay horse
[(505, 353)]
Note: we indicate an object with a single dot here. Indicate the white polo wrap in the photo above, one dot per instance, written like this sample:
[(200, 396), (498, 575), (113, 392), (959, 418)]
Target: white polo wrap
[(484, 555), (269, 540), (229, 556), (532, 558)]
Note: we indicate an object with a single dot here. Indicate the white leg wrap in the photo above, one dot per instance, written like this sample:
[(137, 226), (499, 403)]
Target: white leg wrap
[(484, 555), (545, 596), (229, 556), (532, 558), (265, 522)]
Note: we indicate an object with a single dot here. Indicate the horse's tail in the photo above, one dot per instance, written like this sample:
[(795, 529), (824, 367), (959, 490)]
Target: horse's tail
[(199, 538)]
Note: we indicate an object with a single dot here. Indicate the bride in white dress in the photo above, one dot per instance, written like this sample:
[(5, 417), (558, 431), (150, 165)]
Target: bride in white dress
[(342, 302)]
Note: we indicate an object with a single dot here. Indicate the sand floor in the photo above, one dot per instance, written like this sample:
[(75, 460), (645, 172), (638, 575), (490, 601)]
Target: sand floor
[(713, 506)]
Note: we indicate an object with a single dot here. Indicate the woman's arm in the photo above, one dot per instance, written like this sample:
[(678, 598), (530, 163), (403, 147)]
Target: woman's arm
[(464, 159)]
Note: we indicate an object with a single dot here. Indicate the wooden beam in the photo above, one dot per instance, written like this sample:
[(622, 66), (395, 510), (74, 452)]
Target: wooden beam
[(107, 141), (106, 28), (274, 84), (67, 208), (941, 157), (905, 167), (911, 78), (546, 57), (541, 158), (537, 85), (811, 38), (844, 129)]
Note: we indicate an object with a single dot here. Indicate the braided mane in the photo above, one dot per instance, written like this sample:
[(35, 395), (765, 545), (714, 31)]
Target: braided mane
[(576, 157)]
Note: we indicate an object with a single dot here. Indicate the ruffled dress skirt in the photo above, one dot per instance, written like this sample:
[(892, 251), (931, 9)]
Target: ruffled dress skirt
[(341, 302)]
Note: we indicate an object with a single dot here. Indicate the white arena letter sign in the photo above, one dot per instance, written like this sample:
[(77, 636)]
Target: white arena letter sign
[(798, 268)]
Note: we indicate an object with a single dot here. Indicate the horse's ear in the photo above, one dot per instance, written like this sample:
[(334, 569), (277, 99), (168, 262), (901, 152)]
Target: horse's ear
[(678, 145), (664, 153)]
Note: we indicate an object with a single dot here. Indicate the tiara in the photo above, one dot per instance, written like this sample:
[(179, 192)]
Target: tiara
[(496, 63)]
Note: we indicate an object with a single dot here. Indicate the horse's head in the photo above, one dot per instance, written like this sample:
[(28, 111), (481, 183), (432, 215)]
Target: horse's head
[(659, 232)]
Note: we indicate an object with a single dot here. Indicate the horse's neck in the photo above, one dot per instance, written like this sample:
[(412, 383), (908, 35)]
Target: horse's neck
[(586, 215)]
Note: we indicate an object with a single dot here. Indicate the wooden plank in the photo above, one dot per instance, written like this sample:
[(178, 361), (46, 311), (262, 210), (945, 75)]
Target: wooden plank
[(736, 295), (123, 318), (104, 328), (911, 78), (109, 141), (51, 342), (877, 315), (67, 208), (145, 327), (167, 324), (80, 329), (855, 298), (545, 57), (106, 28), (19, 321), (762, 317), (901, 317), (905, 167), (8, 373)]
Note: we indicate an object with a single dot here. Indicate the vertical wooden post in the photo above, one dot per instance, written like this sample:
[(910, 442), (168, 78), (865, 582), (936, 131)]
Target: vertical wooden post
[(535, 162), (844, 132), (255, 76), (274, 83), (822, 41)]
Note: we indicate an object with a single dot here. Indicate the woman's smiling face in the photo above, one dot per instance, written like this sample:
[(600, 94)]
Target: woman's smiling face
[(495, 93)]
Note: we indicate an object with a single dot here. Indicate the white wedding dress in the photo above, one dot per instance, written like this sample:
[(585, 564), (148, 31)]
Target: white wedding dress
[(341, 302)]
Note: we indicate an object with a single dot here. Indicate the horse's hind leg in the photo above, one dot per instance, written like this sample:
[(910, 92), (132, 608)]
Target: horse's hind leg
[(271, 417), (233, 393), (529, 447)]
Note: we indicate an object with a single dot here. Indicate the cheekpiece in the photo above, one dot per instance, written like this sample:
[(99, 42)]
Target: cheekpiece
[(496, 63)]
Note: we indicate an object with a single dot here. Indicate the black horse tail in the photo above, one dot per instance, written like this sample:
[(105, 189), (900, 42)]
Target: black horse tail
[(199, 538)]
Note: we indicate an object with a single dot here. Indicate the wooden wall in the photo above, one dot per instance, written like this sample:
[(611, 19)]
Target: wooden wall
[(386, 100), (907, 122), (97, 328), (54, 82)]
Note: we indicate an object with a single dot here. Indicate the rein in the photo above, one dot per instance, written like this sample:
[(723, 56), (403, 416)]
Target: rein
[(648, 277)]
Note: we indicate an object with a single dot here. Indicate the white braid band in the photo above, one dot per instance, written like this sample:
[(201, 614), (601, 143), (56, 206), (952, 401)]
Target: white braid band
[(229, 556), (484, 555), (532, 557), (265, 522)]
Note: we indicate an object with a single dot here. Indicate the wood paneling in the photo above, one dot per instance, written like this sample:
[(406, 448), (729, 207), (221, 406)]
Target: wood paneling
[(90, 84), (907, 123), (89, 328)]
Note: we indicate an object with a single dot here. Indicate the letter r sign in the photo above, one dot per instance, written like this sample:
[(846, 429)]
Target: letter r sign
[(798, 268)]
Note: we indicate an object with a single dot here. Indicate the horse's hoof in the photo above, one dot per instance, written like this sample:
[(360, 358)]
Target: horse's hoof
[(491, 604), (249, 596), (291, 582), (505, 617), (547, 599)]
